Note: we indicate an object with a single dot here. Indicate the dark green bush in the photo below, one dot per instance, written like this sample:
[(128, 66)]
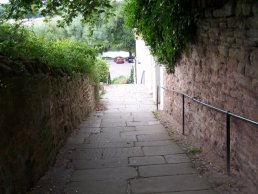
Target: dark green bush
[(103, 70), (130, 80), (166, 26), (119, 80), (73, 56)]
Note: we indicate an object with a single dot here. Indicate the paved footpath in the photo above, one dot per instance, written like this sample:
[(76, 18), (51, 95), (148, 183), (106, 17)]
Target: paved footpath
[(126, 150)]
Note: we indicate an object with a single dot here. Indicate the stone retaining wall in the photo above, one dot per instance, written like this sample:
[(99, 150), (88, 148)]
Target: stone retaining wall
[(222, 69), (37, 113)]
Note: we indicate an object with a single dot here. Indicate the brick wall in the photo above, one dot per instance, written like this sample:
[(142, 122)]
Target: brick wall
[(37, 113), (222, 69)]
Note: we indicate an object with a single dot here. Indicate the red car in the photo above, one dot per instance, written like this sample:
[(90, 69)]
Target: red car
[(119, 60)]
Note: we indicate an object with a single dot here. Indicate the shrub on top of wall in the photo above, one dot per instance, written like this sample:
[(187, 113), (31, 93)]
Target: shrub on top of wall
[(69, 56), (103, 70)]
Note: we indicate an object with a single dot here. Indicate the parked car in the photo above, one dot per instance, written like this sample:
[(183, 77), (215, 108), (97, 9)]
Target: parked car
[(116, 58), (130, 59), (119, 60)]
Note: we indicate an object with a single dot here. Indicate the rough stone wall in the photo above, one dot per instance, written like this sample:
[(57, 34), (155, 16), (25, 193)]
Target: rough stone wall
[(222, 69), (37, 113)]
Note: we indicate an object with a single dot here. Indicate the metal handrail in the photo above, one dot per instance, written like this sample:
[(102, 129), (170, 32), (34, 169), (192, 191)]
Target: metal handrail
[(228, 118), (213, 107), (143, 77), (109, 78)]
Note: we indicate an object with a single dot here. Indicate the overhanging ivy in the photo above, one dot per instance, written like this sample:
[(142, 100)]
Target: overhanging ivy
[(167, 26)]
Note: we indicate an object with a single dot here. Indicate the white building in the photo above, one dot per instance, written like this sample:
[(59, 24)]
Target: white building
[(148, 72)]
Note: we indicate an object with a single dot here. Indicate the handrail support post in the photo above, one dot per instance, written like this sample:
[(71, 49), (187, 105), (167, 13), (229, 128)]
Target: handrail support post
[(183, 114), (228, 143), (157, 98)]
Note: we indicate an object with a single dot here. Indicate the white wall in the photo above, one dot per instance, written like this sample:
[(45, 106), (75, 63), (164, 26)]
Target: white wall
[(162, 69), (153, 77), (144, 63)]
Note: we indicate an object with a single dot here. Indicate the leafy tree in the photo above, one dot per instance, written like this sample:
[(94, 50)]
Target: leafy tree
[(77, 30), (103, 70), (107, 33), (105, 25), (166, 26), (113, 32), (67, 9)]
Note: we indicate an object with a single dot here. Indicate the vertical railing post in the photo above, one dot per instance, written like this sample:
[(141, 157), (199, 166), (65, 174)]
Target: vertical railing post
[(157, 98), (228, 143), (183, 113), (109, 78)]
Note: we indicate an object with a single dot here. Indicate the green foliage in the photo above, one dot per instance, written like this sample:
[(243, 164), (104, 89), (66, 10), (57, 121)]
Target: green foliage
[(124, 80), (73, 56), (67, 9), (167, 26), (156, 114), (77, 30), (107, 33), (193, 150), (119, 80), (103, 70), (130, 80), (112, 32)]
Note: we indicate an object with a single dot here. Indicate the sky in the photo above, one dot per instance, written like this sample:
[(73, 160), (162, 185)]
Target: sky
[(4, 1)]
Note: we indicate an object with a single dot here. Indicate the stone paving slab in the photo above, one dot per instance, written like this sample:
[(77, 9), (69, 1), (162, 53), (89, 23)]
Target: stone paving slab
[(91, 130), (116, 115), (77, 139), (117, 173), (118, 119), (122, 152), (87, 154), (134, 106), (141, 132), (153, 137), (59, 174), (158, 128), (117, 110), (107, 156), (104, 137), (139, 110), (91, 122), (112, 116), (109, 138), (97, 187), (147, 160), (117, 129), (144, 118), (47, 186), (115, 123), (177, 158), (154, 143), (116, 106), (147, 106), (142, 123), (161, 150), (148, 114), (123, 144), (192, 192), (128, 136), (101, 163), (166, 169), (168, 184)]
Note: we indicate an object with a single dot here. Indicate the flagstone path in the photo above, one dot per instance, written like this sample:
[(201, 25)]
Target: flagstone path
[(123, 150)]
